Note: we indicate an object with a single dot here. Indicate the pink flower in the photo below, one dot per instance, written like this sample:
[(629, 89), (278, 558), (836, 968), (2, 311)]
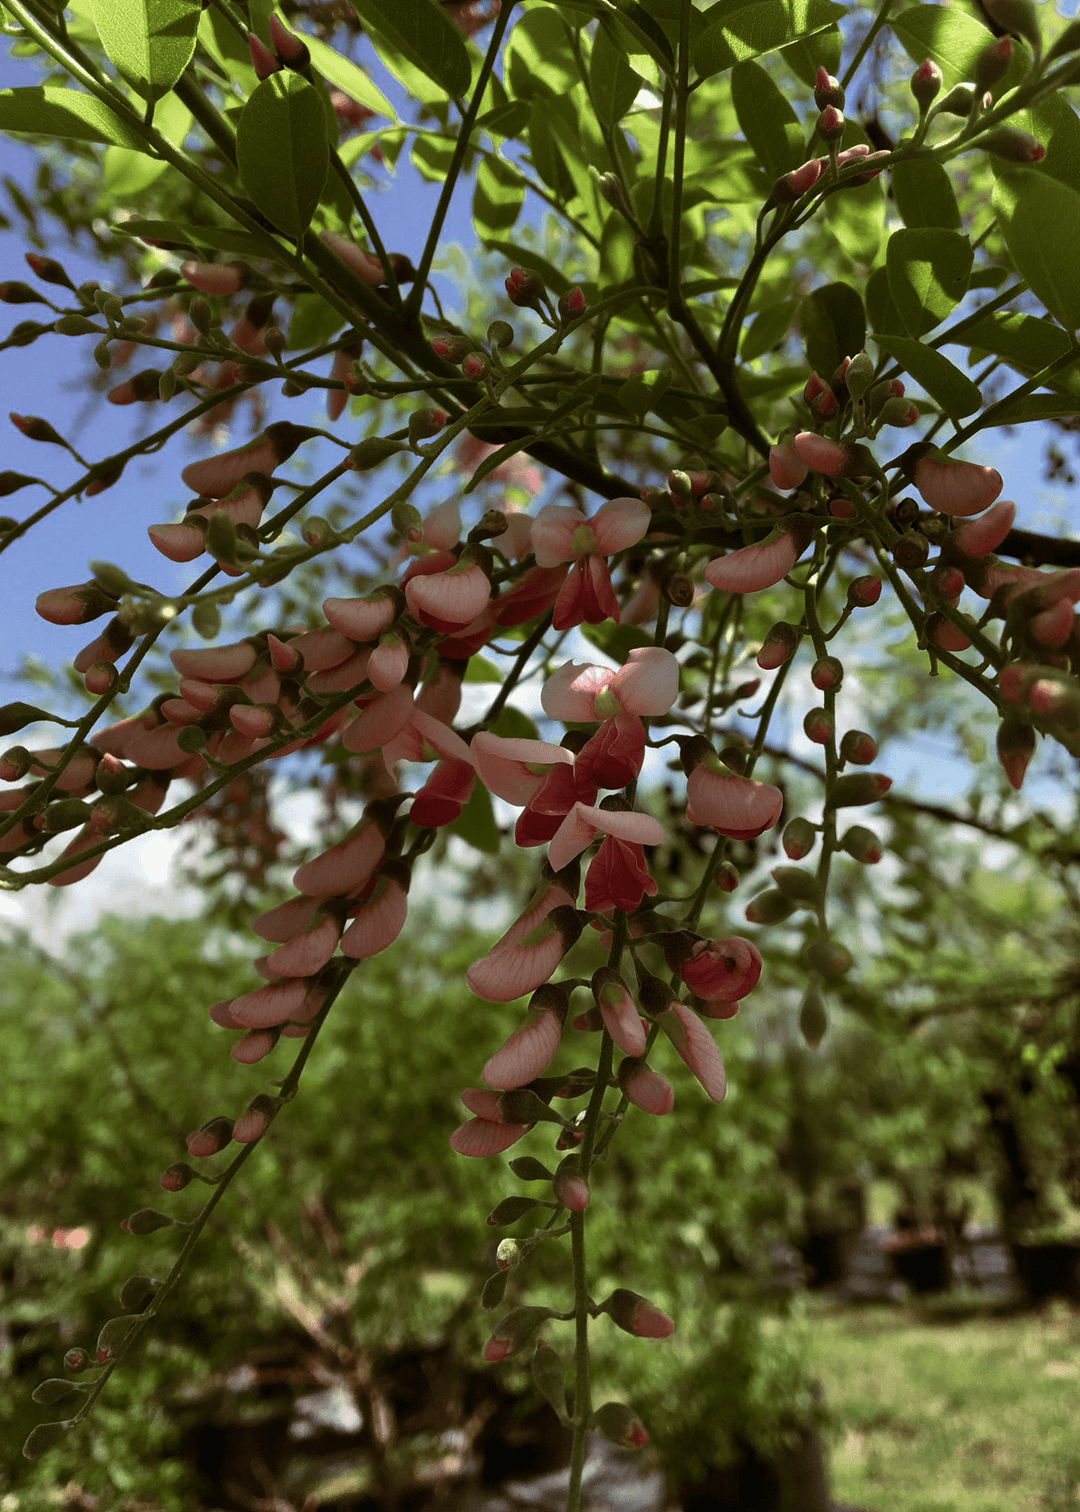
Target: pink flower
[(786, 468), (344, 868), (822, 455), (382, 719), (533, 594), (981, 536), (732, 805), (389, 662), (617, 877), (366, 267), (444, 795), (955, 488), (448, 600), (613, 757), (646, 1088), (619, 1012), (722, 971), (307, 952), (217, 476), (216, 664), (287, 920), (647, 685), (487, 1133), (515, 769), (361, 619), (268, 1006), (424, 738), (530, 949), (221, 279), (696, 1047), (563, 534), (551, 802), (379, 917), (531, 1048), (761, 566), (582, 823)]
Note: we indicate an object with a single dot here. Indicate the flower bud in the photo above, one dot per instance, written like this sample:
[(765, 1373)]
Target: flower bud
[(897, 412), (77, 1360), (799, 838), (959, 100), (636, 1315), (828, 90), (856, 789), (514, 1332), (727, 877), (778, 647), (209, 1138), (992, 63), (864, 591), (16, 292), (569, 1186), (911, 550), (48, 270), (476, 366), (136, 1290), (571, 305), (373, 452), (769, 907), (1012, 144), (798, 884), (34, 428), (818, 726), (176, 1177), (792, 186), (619, 1425), (862, 844), (925, 84), (500, 334), (859, 375), (858, 748), (147, 1221), (255, 1119), (1015, 748), (828, 957), (830, 125), (827, 672), (525, 288), (813, 1020), (452, 348), (508, 1254), (52, 1391)]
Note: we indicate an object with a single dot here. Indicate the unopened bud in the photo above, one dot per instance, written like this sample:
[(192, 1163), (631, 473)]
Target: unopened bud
[(34, 428), (75, 325), (508, 1254), (828, 90), (209, 1138), (855, 789), (798, 884), (778, 647), (136, 1290), (619, 1425), (859, 375), (373, 452), (818, 726), (48, 270), (16, 292), (500, 334), (862, 844), (452, 348), (828, 957), (926, 83), (525, 288), (77, 1360), (864, 591), (727, 877), (176, 1177), (992, 63), (959, 100), (897, 412), (813, 1020), (678, 589), (67, 814), (769, 907), (636, 1315), (476, 366), (830, 125), (147, 1221), (792, 186), (858, 747), (517, 1330), (827, 672), (798, 839), (911, 550), (571, 305), (1012, 144)]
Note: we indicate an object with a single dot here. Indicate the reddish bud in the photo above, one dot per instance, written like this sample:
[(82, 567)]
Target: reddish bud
[(619, 1425), (176, 1177), (827, 672), (48, 270), (571, 305), (864, 591), (828, 90), (830, 125), (993, 62), (792, 186), (452, 348), (818, 726), (209, 1138), (262, 59), (476, 366), (925, 83), (862, 844), (779, 646), (525, 289), (798, 839), (858, 788), (1012, 144), (858, 748), (636, 1315)]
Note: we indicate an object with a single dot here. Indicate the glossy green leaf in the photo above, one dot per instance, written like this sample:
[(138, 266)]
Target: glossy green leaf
[(1027, 343), (148, 42), (768, 329), (544, 150), (431, 156), (539, 59), (641, 393), (881, 306), (766, 119), (944, 382), (220, 238), (480, 670), (856, 218), (48, 110), (507, 120), (953, 40), (820, 50), (733, 30), (648, 34), (512, 724), (1054, 124), (928, 273), (282, 152), (497, 198), (313, 322), (125, 174), (1032, 408), (613, 84), (476, 823), (832, 324), (422, 32), (924, 194), (346, 76), (1039, 218)]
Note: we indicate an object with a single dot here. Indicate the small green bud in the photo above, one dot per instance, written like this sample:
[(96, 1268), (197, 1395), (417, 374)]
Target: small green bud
[(813, 1020)]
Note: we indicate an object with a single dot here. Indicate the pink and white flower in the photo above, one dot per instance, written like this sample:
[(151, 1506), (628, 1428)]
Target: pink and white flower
[(531, 1048), (583, 823), (379, 917), (647, 685), (530, 949), (515, 770), (696, 1047), (561, 533), (732, 805), (447, 600), (722, 971), (753, 568), (952, 487)]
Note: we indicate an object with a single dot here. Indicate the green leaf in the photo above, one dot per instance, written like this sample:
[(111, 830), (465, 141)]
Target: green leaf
[(769, 328), (733, 30), (148, 42), (282, 152), (512, 724), (1038, 407), (346, 76), (945, 384), (646, 32), (476, 822), (507, 120), (480, 670), (808, 54), (497, 198), (555, 279), (431, 156), (924, 194), (639, 394), (832, 324), (881, 306), (856, 217), (616, 641), (613, 84), (424, 34), (539, 58), (549, 1373), (953, 40), (766, 119), (928, 272), (52, 111), (1027, 343), (313, 322), (1040, 221), (220, 238)]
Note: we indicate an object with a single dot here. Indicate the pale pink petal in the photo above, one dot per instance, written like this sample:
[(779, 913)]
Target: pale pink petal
[(288, 919), (1054, 625), (623, 1023), (504, 975), (320, 650), (377, 922), (479, 1137), (366, 267), (442, 527), (732, 805), (75, 873), (570, 693), (620, 523), (221, 1014), (384, 717), (986, 533), (267, 1006), (754, 567), (696, 1047), (820, 454), (648, 1090), (388, 664), (575, 834), (255, 1046), (553, 534), (348, 674), (215, 664), (180, 543), (344, 868), (439, 739), (647, 685), (483, 1102), (448, 600), (527, 1053), (307, 952), (514, 769), (786, 468), (515, 543), (956, 488), (217, 476), (156, 750), (362, 619)]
